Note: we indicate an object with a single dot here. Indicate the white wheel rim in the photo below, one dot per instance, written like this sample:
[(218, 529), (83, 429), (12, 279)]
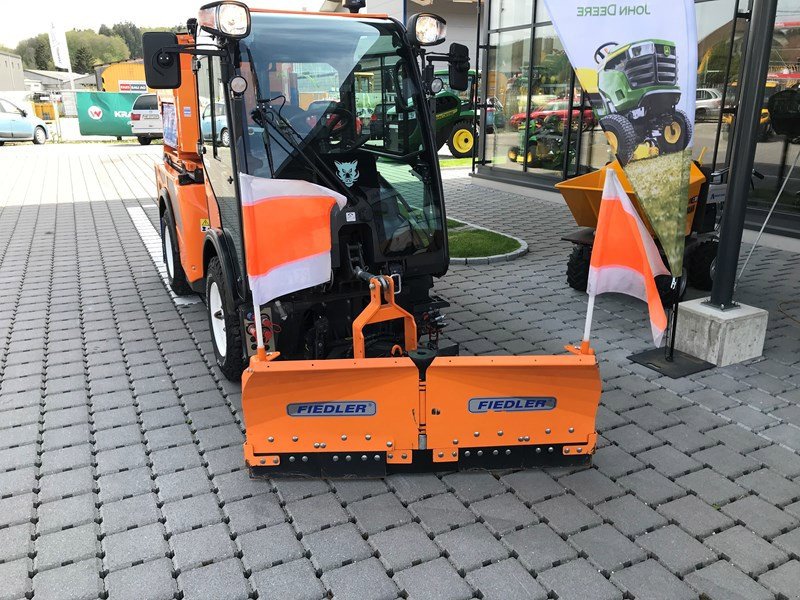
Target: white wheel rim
[(226, 138), (168, 253), (40, 137), (217, 318)]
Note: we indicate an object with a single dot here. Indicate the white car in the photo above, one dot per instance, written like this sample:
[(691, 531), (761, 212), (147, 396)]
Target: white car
[(145, 120), (708, 105)]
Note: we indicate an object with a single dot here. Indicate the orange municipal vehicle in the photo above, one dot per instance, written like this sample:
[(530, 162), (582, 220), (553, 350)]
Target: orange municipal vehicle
[(316, 243)]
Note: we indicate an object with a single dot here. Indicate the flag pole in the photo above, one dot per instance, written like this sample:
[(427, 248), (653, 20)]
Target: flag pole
[(587, 328), (676, 298)]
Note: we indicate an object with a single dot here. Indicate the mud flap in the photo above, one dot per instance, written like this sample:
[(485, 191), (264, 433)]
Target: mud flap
[(511, 411), (329, 417)]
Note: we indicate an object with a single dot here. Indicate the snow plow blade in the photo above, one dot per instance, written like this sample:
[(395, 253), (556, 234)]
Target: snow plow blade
[(371, 416)]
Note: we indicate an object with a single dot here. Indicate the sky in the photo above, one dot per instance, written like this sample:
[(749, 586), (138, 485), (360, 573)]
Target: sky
[(20, 22)]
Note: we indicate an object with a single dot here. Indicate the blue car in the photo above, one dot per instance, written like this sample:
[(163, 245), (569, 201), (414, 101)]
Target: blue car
[(221, 124), (16, 125)]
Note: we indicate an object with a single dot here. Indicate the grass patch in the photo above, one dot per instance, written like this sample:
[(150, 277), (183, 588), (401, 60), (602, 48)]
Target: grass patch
[(445, 163), (453, 224), (474, 243)]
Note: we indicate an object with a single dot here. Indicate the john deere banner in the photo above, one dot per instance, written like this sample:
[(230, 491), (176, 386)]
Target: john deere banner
[(105, 113), (637, 61)]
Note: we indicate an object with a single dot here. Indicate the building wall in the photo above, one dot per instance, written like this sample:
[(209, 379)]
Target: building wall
[(11, 76)]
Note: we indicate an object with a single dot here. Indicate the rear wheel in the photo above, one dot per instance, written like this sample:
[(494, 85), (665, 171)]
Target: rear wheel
[(226, 336), (676, 135), (144, 141), (39, 135), (225, 138), (621, 136), (462, 140), (513, 153), (702, 263), (578, 267), (176, 277)]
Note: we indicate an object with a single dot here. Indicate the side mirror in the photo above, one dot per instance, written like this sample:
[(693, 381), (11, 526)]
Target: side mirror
[(23, 112), (458, 66), (162, 65)]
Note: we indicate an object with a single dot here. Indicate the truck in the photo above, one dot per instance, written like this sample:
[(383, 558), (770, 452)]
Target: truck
[(316, 246)]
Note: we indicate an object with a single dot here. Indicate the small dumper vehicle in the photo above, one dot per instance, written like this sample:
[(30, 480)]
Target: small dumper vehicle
[(343, 234)]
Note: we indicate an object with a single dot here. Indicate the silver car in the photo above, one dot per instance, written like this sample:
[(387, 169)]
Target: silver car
[(708, 105), (16, 125)]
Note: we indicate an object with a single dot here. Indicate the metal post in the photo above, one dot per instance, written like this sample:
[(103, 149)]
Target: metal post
[(751, 90)]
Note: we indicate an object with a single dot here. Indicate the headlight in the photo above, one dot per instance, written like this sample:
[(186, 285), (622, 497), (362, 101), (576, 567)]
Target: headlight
[(427, 29), (228, 19), (642, 49)]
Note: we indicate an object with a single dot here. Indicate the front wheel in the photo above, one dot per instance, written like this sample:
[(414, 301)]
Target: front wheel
[(578, 267), (676, 135), (621, 136), (39, 136), (225, 138), (462, 140), (144, 141), (226, 336)]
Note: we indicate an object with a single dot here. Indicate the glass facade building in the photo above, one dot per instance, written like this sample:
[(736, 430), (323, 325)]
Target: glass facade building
[(544, 130)]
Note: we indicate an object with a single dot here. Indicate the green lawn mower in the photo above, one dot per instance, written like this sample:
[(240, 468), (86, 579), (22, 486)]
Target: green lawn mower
[(545, 143), (636, 99)]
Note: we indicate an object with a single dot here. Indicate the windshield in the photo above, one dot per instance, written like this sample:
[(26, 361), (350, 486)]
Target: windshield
[(337, 101)]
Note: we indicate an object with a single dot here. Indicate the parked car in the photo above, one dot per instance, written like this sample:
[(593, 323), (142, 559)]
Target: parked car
[(16, 125), (220, 124), (708, 105), (495, 117), (145, 120), (558, 108)]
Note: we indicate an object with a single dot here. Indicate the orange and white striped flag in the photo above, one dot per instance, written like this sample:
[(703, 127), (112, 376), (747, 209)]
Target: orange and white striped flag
[(287, 235), (625, 258)]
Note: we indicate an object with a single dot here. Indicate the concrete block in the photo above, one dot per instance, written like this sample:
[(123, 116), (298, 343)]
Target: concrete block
[(441, 513), (290, 580), (401, 547), (723, 581), (434, 579), (506, 580), (721, 337), (539, 547), (336, 546), (364, 580), (221, 581), (578, 579), (471, 547)]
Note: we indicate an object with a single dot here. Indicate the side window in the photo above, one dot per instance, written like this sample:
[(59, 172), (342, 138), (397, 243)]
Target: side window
[(4, 107)]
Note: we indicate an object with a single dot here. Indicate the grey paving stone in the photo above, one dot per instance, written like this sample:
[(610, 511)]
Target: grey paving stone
[(506, 580), (749, 417), (539, 547), (57, 438), (131, 512), (651, 581), (651, 487), (503, 513), (336, 546), (788, 435), (297, 489), (471, 486), (695, 516), (578, 579), (415, 486), (14, 576), (630, 515), (771, 486), (566, 515), (471, 547), (434, 579), (268, 547), (122, 415), (77, 581), (19, 436), (170, 460), (607, 549), (315, 513), (614, 462), (121, 459), (60, 514), (779, 459), (69, 545), (16, 542), (699, 418), (606, 419), (169, 437), (746, 550), (783, 581), (126, 584), (676, 550), (65, 459), (117, 486), (404, 546), (295, 579), (532, 486), (591, 486), (726, 461), (711, 486), (191, 513), (789, 542), (665, 400), (650, 418), (441, 513), (378, 513), (684, 438), (19, 481), (140, 544), (738, 438), (19, 457), (632, 438), (118, 437), (357, 489), (201, 546), (723, 581), (17, 509), (183, 484), (760, 516), (238, 485), (669, 462), (363, 580), (221, 581)]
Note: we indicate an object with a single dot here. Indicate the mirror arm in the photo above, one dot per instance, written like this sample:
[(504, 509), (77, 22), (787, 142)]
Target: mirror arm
[(191, 49)]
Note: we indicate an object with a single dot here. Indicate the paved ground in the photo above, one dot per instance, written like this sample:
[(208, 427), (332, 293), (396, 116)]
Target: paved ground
[(121, 472)]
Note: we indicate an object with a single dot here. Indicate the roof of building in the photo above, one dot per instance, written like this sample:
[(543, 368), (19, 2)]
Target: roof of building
[(12, 54), (56, 75)]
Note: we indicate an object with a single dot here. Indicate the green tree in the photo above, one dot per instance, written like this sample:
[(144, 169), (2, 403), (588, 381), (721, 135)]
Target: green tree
[(42, 55), (103, 49), (35, 52), (105, 30), (132, 36), (82, 60)]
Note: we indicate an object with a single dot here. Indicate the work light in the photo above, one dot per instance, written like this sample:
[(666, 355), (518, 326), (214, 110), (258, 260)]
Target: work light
[(427, 29), (642, 49), (228, 19)]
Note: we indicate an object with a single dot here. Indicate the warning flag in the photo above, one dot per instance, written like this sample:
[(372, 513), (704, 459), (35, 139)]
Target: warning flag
[(625, 258), (287, 234)]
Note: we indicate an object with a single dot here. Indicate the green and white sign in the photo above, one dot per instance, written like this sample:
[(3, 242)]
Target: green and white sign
[(637, 61), (105, 113)]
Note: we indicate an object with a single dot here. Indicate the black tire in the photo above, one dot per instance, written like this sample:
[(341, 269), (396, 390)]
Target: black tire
[(39, 135), (578, 267), (620, 133), (230, 360), (699, 115), (513, 153), (176, 277), (2, 143), (225, 137), (676, 136), (701, 265), (144, 141), (461, 140)]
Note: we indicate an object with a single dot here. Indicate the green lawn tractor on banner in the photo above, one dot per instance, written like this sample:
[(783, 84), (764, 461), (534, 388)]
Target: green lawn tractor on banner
[(636, 97)]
